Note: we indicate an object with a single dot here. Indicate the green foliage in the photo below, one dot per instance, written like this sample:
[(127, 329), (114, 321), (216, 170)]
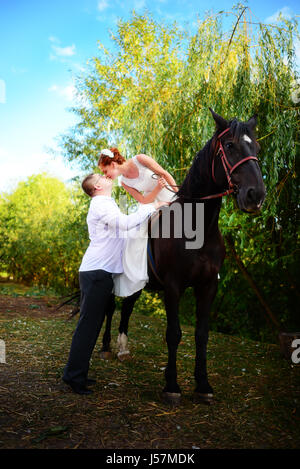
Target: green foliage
[(43, 233), (151, 95)]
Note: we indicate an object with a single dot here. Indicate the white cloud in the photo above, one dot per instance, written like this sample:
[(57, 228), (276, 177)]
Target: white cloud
[(102, 5), (54, 39), (65, 51), (2, 92), (58, 52), (286, 12), (67, 92)]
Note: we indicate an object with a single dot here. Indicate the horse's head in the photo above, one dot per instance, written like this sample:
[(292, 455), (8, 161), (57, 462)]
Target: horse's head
[(235, 161)]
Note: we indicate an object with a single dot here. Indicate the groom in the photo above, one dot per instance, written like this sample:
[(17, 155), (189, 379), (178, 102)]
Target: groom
[(103, 257)]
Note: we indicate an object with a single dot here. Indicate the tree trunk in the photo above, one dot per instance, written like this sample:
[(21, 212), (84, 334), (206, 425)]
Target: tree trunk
[(251, 282)]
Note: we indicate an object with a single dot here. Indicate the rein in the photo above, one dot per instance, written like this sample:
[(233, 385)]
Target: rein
[(228, 168)]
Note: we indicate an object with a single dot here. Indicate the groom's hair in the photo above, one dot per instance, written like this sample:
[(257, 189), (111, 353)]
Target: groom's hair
[(89, 182)]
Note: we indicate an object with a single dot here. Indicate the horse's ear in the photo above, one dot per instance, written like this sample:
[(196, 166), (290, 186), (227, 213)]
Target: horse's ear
[(221, 123), (252, 122)]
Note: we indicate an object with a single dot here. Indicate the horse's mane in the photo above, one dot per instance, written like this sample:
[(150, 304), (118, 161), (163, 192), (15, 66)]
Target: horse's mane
[(199, 174)]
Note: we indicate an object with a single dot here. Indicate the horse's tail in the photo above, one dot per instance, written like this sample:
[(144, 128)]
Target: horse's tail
[(73, 298)]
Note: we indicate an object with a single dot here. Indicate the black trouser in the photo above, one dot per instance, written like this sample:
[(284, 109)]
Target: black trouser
[(96, 295)]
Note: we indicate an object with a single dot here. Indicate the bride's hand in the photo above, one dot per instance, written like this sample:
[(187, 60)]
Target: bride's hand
[(161, 182)]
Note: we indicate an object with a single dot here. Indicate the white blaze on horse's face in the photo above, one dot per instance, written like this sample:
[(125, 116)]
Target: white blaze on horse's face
[(247, 139)]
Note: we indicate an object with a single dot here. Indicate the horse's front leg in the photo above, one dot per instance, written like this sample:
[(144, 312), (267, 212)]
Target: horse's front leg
[(127, 308), (204, 299), (105, 351), (172, 392)]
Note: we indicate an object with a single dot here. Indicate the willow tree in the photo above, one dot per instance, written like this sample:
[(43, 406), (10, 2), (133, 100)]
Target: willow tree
[(151, 92)]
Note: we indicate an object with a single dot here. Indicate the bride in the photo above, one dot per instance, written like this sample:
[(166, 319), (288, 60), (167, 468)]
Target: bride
[(135, 175)]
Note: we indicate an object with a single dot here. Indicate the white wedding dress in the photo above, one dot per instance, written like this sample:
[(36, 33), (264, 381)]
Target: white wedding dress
[(135, 275)]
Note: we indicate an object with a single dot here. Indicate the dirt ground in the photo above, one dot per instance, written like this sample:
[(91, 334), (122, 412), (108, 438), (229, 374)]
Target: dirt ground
[(21, 306), (256, 392)]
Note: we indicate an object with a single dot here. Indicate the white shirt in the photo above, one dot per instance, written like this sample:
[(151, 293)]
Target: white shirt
[(108, 228)]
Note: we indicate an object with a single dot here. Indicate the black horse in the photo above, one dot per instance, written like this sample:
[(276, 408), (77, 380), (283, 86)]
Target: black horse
[(227, 164)]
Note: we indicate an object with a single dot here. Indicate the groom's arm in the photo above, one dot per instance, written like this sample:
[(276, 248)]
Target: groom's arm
[(114, 218)]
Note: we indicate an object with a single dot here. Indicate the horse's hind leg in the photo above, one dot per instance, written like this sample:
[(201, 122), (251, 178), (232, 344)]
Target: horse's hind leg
[(105, 352), (204, 299), (127, 308), (172, 392)]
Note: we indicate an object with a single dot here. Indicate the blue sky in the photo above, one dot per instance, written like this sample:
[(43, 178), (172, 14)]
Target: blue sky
[(45, 44)]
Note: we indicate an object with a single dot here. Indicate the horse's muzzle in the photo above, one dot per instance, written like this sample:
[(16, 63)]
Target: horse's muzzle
[(251, 199)]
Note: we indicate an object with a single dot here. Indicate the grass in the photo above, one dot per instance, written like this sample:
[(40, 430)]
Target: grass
[(256, 390), (17, 289)]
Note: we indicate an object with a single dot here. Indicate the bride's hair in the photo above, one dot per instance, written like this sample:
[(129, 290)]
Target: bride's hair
[(105, 160)]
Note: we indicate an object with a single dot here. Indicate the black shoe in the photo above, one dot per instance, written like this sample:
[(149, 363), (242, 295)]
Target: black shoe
[(90, 381), (78, 389), (81, 389)]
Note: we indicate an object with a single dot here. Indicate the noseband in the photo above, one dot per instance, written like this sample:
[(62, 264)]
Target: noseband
[(228, 168)]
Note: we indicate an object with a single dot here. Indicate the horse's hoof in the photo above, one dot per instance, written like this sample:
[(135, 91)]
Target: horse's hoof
[(172, 398), (106, 355), (204, 398), (124, 356)]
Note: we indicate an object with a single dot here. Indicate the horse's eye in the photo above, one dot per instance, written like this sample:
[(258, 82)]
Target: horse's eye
[(228, 145)]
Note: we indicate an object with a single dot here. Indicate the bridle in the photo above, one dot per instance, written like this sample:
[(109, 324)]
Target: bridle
[(228, 168)]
